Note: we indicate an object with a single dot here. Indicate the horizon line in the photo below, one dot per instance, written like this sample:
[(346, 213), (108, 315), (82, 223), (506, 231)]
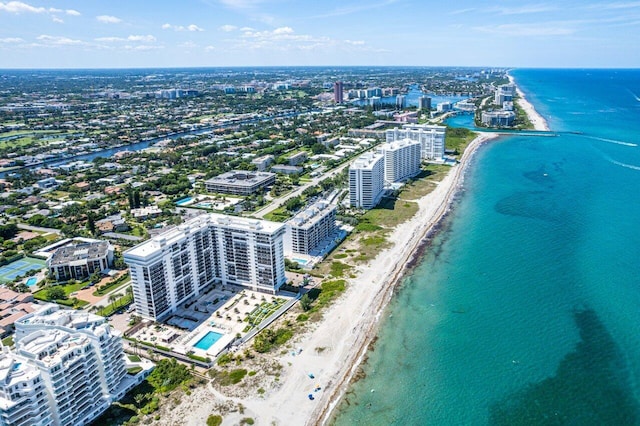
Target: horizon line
[(309, 66)]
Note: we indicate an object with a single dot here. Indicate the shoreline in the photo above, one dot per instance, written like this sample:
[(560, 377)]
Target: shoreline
[(538, 121), (410, 253), (334, 348), (350, 326)]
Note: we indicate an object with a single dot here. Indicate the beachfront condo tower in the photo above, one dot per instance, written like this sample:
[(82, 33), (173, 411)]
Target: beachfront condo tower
[(366, 180), (67, 367), (431, 137), (401, 159), (181, 263)]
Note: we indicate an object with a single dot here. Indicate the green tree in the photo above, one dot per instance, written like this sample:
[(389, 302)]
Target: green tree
[(168, 375), (136, 198), (305, 302), (56, 293), (91, 223)]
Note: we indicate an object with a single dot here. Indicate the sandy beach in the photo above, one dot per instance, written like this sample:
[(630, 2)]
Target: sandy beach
[(333, 349), (539, 123)]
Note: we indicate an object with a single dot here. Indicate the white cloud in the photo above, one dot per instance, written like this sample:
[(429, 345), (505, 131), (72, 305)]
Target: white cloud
[(11, 40), (20, 7), (283, 30), (286, 39), (526, 30), (59, 40), (461, 11), (142, 47), (210, 48), (615, 6), (190, 27), (525, 10), (148, 38), (137, 38), (348, 10), (228, 28), (110, 39), (107, 19)]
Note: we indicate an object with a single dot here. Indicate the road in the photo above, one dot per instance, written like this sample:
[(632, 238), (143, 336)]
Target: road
[(39, 229), (277, 202)]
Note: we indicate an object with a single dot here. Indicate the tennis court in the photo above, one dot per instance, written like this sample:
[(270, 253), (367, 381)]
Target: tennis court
[(20, 267)]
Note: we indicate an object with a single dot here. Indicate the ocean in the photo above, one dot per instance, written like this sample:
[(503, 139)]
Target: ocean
[(525, 309)]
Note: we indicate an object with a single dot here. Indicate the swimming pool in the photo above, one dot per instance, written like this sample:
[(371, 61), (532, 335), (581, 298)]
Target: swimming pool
[(302, 262), (207, 340), (184, 201), (32, 281)]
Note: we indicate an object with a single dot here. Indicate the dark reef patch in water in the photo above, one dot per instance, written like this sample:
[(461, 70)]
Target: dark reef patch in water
[(532, 204), (541, 177), (590, 386)]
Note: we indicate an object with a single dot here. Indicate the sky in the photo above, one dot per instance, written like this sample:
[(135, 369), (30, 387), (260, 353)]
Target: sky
[(211, 33)]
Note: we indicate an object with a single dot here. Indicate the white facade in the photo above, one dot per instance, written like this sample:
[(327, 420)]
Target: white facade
[(366, 180), (179, 264), (307, 229), (67, 363), (72, 366), (80, 260), (431, 137), (23, 395), (504, 93), (106, 340), (401, 159), (498, 118)]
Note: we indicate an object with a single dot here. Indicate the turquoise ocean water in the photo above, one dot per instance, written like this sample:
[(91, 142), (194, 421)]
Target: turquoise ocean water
[(526, 308)]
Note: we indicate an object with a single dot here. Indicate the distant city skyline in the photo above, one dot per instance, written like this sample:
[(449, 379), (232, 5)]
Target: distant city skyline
[(203, 33)]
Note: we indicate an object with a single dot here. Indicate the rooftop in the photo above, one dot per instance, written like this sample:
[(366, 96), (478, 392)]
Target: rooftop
[(309, 216), (241, 177), (366, 161), (84, 251), (199, 223)]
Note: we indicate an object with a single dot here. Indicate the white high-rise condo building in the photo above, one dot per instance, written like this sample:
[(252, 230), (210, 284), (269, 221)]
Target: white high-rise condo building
[(431, 138), (179, 264), (106, 340), (23, 396), (67, 368), (401, 159), (366, 180), (504, 93), (310, 227)]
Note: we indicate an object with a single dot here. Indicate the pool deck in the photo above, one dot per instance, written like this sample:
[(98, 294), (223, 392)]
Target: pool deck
[(225, 317)]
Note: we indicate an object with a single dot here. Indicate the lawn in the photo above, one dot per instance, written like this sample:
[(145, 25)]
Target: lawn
[(425, 182), (391, 212), (281, 214), (119, 303), (457, 138)]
